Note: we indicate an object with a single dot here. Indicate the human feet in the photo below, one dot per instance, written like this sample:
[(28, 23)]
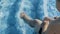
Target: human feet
[(22, 15)]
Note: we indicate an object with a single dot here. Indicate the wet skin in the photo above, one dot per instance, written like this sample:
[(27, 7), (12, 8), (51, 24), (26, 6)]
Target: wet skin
[(36, 23)]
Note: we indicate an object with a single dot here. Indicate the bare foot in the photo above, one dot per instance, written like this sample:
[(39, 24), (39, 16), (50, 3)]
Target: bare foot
[(22, 15)]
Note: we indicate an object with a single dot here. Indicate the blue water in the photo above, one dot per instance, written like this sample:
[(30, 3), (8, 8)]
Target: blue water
[(10, 21)]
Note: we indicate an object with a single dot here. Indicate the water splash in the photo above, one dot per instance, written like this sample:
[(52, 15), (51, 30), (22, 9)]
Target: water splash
[(1, 15), (22, 25), (45, 8), (3, 21)]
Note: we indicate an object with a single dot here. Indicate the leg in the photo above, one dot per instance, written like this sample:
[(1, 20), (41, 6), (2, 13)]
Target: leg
[(26, 17), (45, 25), (31, 22)]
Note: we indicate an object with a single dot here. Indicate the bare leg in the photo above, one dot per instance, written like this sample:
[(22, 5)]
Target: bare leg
[(45, 25), (26, 17), (31, 22), (36, 23)]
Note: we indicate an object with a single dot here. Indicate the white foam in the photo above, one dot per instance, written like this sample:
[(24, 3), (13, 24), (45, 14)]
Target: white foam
[(1, 14), (45, 8)]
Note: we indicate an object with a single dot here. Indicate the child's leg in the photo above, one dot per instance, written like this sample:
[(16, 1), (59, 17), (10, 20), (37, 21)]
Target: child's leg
[(31, 22), (45, 25), (26, 17)]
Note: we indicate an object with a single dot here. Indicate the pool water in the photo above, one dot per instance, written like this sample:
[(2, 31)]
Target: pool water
[(10, 21)]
